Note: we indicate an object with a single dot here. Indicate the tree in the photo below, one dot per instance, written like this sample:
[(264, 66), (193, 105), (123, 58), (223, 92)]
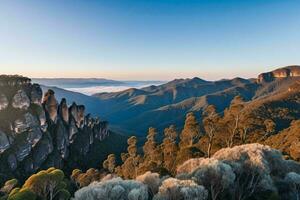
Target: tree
[(150, 146), (216, 176), (118, 169), (190, 132), (84, 179), (248, 181), (170, 148), (188, 137), (210, 123), (110, 163), (47, 184), (244, 129), (22, 194), (9, 186), (232, 117), (74, 177), (132, 149), (153, 157), (270, 127), (130, 160), (248, 123)]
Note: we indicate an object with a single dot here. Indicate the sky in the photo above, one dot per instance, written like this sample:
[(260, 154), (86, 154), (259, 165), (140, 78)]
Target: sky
[(148, 39)]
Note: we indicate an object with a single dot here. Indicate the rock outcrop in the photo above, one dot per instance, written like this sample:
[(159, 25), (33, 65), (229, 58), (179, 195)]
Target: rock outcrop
[(21, 100), (289, 71), (38, 132), (13, 80), (4, 142), (63, 110), (50, 105), (3, 102)]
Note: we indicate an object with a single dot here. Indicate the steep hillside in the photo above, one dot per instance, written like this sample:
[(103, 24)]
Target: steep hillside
[(281, 106), (271, 119), (134, 110), (287, 141), (129, 107)]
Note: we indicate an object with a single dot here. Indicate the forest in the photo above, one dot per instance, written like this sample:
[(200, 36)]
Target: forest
[(149, 100), (210, 159)]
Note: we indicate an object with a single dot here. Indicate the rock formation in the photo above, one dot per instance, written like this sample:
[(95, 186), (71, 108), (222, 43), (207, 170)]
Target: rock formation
[(50, 105), (21, 100), (3, 102), (4, 142), (289, 71), (63, 110), (38, 132)]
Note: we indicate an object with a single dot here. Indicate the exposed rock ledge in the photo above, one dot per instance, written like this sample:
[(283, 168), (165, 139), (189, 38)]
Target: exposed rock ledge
[(289, 71)]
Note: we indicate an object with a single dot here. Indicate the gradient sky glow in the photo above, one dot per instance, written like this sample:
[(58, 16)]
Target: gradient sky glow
[(148, 39)]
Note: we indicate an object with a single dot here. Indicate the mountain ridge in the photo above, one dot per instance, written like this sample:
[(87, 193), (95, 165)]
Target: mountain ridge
[(168, 103), (161, 103)]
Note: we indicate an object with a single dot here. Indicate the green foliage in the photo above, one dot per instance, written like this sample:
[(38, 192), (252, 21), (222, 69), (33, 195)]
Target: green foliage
[(273, 196), (130, 160), (22, 194), (162, 158), (110, 163), (232, 120), (14, 191), (4, 197), (132, 149), (75, 174), (211, 125), (84, 179), (191, 131), (150, 144), (46, 184), (187, 153), (170, 148), (270, 126), (153, 155), (9, 186), (188, 138), (63, 194), (12, 182)]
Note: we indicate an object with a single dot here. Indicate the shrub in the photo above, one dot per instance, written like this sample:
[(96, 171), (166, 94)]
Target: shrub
[(175, 189), (114, 189)]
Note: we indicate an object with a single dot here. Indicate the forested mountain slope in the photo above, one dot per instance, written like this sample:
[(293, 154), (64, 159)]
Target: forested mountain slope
[(134, 110)]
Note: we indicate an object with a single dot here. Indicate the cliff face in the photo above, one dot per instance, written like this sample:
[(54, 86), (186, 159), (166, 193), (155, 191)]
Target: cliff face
[(290, 71), (38, 132)]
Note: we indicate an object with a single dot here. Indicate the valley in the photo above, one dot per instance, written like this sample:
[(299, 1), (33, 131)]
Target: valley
[(167, 129)]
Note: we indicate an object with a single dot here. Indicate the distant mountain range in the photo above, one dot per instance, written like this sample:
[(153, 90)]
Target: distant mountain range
[(133, 110), (75, 82), (91, 86)]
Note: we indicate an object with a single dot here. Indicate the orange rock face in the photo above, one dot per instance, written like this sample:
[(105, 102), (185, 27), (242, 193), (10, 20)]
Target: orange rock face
[(290, 71)]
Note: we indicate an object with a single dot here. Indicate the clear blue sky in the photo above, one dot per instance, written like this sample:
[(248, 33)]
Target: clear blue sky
[(153, 39)]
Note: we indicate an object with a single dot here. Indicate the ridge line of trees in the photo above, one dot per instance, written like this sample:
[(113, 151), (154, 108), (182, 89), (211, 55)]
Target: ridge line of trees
[(197, 139)]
